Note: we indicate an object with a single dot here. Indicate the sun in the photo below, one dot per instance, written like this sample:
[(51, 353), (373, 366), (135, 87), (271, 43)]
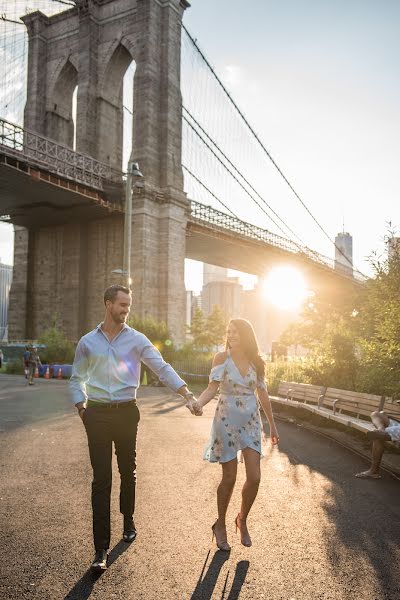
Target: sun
[(285, 288)]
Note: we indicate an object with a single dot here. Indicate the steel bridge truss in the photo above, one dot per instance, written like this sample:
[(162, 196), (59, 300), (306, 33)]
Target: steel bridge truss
[(55, 158), (220, 221)]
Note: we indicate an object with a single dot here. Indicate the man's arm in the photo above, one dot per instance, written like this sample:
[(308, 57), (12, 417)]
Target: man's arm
[(77, 383), (166, 374)]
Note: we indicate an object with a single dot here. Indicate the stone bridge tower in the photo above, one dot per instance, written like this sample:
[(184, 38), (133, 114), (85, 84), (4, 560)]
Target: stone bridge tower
[(63, 269)]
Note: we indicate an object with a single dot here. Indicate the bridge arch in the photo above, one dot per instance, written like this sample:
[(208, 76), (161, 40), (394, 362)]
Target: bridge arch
[(111, 103), (59, 117)]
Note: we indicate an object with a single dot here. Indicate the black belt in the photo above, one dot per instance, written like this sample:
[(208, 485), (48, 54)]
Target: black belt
[(108, 405)]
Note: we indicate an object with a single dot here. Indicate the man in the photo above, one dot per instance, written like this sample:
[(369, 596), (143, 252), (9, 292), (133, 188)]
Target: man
[(1, 358), (33, 362), (387, 429), (104, 381)]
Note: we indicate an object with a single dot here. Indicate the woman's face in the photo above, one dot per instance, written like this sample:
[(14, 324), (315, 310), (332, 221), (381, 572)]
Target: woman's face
[(233, 336)]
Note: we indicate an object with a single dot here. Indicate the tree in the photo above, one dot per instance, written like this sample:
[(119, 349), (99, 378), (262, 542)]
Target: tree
[(157, 332), (198, 331), (354, 341), (379, 320), (328, 329), (207, 332), (216, 327), (58, 349)]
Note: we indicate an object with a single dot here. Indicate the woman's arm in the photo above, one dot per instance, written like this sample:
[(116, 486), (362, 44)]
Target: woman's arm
[(208, 393), (267, 408)]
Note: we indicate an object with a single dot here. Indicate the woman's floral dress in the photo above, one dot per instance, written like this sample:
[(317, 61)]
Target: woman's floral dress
[(237, 422)]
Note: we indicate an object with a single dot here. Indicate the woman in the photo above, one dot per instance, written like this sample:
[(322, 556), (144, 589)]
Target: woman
[(239, 372)]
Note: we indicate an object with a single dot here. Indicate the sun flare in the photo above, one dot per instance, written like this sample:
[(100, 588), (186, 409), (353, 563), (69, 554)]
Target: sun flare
[(285, 288)]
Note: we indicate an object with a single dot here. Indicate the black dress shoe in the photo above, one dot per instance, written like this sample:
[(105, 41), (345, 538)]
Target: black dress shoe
[(100, 561), (129, 530)]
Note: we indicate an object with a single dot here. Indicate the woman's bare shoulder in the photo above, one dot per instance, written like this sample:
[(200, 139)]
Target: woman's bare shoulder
[(219, 358)]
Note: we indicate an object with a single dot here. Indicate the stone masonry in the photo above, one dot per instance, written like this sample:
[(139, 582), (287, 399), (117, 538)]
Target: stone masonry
[(62, 270)]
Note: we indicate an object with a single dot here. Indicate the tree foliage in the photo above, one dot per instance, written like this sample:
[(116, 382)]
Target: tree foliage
[(58, 349), (157, 332), (208, 332), (354, 340)]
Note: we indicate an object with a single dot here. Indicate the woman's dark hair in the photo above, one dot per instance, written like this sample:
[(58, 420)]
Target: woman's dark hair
[(249, 344), (112, 291)]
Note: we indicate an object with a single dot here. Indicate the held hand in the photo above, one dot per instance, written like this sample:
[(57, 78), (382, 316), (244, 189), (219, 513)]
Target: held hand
[(274, 436), (194, 407)]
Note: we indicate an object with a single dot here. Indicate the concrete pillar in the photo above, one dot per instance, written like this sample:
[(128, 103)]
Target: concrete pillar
[(17, 314)]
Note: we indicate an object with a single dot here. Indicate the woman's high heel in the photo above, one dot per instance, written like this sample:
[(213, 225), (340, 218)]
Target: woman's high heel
[(222, 545), (245, 539)]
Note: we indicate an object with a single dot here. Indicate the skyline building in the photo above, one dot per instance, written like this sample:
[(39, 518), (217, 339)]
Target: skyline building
[(6, 272), (344, 252)]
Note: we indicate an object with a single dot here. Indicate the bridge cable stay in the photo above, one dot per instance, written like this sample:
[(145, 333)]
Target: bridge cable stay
[(254, 135), (14, 52), (210, 139), (238, 181)]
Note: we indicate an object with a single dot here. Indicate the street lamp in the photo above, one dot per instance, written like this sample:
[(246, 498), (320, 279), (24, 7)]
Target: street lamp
[(133, 171)]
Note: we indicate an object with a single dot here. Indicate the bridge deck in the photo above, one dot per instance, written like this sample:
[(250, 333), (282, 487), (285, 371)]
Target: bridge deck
[(34, 197)]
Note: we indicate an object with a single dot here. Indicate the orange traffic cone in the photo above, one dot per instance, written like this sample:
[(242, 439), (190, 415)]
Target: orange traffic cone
[(36, 373), (59, 373), (47, 374)]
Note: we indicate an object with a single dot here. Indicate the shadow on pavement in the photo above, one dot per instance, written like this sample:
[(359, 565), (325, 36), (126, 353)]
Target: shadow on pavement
[(84, 587), (206, 583), (363, 516)]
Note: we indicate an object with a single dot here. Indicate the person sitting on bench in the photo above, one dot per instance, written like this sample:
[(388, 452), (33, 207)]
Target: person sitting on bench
[(387, 429)]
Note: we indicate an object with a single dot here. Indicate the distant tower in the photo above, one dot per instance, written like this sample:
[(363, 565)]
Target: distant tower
[(344, 253)]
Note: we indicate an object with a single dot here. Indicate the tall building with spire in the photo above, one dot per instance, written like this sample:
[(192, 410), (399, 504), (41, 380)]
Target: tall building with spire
[(344, 253)]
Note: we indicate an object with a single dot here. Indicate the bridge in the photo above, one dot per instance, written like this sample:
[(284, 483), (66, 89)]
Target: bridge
[(62, 183)]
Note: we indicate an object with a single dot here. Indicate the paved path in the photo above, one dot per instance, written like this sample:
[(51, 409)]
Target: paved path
[(318, 532)]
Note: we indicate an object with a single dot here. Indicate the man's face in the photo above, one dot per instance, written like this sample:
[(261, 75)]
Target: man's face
[(119, 309)]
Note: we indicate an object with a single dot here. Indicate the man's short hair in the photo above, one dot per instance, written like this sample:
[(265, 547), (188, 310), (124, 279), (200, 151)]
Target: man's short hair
[(112, 291)]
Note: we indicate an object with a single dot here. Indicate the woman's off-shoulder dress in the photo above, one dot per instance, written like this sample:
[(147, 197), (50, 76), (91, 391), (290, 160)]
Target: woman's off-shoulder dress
[(237, 421)]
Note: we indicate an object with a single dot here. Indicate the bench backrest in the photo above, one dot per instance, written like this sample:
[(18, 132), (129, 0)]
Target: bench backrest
[(302, 392), (353, 403), (391, 408)]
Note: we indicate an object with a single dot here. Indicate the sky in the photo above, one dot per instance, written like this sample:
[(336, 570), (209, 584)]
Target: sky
[(319, 82)]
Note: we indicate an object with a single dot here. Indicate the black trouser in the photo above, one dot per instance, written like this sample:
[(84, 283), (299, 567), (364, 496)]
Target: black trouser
[(104, 426)]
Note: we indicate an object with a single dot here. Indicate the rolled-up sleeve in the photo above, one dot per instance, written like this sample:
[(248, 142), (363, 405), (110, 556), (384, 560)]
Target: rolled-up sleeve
[(77, 383), (153, 359)]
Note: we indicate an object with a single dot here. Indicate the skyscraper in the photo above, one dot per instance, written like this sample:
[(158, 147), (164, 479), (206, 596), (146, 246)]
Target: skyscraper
[(5, 284), (344, 253)]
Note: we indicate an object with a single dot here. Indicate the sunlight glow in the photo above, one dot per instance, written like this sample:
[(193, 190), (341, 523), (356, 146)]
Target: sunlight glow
[(285, 288)]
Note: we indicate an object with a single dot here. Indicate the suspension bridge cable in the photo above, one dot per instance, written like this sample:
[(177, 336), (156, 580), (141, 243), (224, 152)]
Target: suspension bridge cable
[(209, 191), (235, 178), (241, 175), (263, 146)]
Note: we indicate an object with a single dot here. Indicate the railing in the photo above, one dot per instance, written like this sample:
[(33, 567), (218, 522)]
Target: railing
[(221, 221), (55, 157)]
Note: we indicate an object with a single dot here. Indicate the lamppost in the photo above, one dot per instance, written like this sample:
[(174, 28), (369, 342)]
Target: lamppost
[(133, 171)]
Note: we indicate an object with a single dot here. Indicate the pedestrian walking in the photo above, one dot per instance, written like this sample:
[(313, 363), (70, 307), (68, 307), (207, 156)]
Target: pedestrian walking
[(1, 358), (25, 361), (33, 362), (105, 378), (239, 373)]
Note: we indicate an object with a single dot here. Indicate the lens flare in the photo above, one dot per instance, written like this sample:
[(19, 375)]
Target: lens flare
[(285, 288)]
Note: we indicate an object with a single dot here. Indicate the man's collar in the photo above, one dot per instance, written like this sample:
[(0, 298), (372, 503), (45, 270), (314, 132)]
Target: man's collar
[(99, 327)]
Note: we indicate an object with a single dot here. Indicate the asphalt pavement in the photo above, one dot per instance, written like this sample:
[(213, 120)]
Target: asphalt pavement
[(318, 532)]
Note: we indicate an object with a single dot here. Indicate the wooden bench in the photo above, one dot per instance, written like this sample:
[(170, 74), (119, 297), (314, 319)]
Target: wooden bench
[(293, 394), (352, 409)]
